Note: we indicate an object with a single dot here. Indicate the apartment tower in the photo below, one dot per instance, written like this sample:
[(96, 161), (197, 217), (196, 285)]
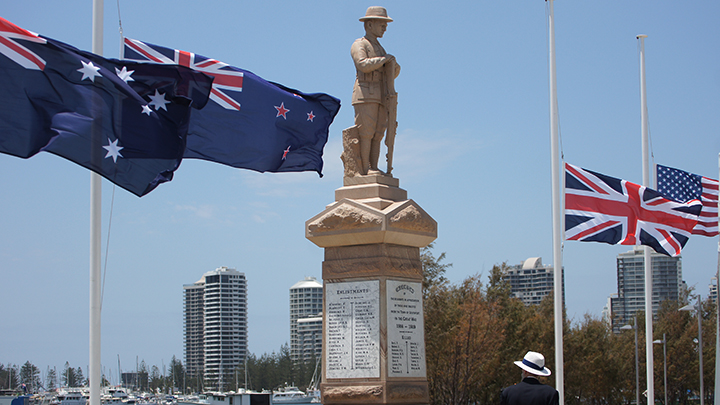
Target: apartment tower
[(666, 285), (306, 303), (531, 281), (215, 326)]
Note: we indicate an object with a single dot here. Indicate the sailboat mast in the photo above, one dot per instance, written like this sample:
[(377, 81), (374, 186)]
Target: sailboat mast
[(556, 209)]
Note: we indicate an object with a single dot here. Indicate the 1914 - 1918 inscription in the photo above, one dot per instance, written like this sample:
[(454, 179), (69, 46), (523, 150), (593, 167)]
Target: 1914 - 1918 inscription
[(352, 342), (406, 335)]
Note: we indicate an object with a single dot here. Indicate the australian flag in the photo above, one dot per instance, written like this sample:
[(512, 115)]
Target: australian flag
[(682, 186), (125, 121), (600, 208), (249, 123)]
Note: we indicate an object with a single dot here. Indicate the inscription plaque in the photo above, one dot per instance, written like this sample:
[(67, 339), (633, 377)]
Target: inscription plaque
[(352, 341), (406, 333)]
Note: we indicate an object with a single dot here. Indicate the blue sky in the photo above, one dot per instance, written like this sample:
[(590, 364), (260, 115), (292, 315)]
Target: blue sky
[(473, 149)]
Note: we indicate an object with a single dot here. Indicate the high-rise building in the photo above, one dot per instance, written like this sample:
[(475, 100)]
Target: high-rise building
[(713, 290), (309, 338), (306, 302), (215, 326), (531, 281), (630, 298)]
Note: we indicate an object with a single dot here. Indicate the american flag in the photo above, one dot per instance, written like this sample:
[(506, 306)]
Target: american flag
[(682, 186), (600, 208)]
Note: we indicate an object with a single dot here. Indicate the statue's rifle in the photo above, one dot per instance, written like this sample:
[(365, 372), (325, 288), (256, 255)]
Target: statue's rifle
[(391, 106)]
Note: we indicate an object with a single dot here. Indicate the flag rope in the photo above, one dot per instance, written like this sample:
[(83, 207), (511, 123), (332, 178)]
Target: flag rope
[(107, 245)]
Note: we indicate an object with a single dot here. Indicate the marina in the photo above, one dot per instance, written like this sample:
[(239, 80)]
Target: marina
[(120, 396)]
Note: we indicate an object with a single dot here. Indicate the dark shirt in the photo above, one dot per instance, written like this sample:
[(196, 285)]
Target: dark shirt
[(529, 391)]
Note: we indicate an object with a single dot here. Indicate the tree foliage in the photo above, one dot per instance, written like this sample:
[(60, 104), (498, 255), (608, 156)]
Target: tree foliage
[(474, 331), (9, 376), (30, 376)]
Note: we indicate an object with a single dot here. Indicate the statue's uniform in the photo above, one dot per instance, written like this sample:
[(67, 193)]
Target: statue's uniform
[(368, 97)]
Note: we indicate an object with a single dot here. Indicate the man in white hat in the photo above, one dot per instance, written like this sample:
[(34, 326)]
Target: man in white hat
[(530, 391), (368, 98)]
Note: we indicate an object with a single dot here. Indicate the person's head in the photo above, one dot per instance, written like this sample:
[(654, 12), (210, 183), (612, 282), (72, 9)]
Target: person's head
[(376, 20), (533, 364)]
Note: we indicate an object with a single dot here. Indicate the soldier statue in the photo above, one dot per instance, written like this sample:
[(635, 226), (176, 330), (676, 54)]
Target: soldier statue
[(374, 99)]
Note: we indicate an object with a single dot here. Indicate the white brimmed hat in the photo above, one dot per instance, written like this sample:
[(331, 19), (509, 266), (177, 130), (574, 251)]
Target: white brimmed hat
[(534, 363), (376, 13)]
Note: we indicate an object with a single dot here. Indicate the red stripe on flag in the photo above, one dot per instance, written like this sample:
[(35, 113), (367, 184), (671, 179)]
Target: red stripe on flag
[(584, 179), (24, 52), (595, 229), (225, 98), (227, 80), (670, 241), (184, 58), (141, 51)]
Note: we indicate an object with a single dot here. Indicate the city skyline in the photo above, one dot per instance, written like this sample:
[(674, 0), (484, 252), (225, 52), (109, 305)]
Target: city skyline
[(472, 149)]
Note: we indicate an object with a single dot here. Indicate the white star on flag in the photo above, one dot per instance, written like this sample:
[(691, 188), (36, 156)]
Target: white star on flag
[(146, 110), (89, 71), (125, 74), (158, 100), (113, 150)]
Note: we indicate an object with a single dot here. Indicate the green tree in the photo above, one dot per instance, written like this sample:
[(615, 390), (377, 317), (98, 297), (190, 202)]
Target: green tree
[(177, 373), (51, 378), (9, 376), (69, 376), (155, 379), (433, 268), (30, 376)]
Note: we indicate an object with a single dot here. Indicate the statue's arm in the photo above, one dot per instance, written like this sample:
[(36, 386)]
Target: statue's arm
[(363, 62)]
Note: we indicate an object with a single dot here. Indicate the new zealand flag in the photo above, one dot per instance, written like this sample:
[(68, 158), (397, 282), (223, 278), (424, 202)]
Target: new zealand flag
[(249, 123)]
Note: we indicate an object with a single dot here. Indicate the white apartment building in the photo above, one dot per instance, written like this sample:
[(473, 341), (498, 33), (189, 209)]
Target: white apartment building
[(306, 303), (531, 281), (216, 326), (666, 284)]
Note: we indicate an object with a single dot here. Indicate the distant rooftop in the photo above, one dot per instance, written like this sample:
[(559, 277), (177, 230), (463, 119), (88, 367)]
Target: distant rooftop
[(308, 282)]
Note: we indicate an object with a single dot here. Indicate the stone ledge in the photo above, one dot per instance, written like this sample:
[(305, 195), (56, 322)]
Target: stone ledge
[(370, 179), (386, 392), (348, 222)]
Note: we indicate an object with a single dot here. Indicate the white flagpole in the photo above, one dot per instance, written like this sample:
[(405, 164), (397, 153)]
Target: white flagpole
[(556, 210), (94, 372), (646, 249), (717, 319)]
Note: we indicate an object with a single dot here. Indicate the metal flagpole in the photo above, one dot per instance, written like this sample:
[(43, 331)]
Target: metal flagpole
[(94, 372), (717, 318), (556, 209), (646, 249)]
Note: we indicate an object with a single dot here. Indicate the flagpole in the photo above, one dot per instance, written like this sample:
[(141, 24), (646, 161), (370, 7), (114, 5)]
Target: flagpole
[(94, 372), (717, 310), (556, 210), (646, 250)]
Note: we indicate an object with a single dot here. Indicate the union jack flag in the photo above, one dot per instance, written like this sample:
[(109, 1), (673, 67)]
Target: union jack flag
[(682, 186), (599, 208)]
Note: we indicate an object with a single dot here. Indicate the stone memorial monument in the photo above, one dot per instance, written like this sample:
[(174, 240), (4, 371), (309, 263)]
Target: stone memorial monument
[(373, 330)]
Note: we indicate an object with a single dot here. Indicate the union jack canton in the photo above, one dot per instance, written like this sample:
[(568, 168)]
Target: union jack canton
[(600, 208)]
